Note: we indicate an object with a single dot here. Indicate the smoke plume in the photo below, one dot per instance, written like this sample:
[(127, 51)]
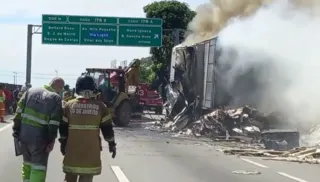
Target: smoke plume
[(274, 41), (215, 15)]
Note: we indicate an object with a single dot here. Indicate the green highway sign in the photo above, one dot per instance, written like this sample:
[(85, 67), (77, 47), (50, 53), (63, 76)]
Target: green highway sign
[(144, 36), (101, 31)]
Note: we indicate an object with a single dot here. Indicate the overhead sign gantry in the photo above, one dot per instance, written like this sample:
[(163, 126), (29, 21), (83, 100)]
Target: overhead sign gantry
[(95, 31)]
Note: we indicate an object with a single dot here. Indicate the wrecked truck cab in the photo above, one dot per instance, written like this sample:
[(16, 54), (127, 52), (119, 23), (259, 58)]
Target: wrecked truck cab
[(280, 139)]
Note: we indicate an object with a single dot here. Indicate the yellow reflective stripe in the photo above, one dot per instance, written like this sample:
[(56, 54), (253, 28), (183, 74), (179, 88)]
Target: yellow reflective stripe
[(65, 119), (49, 88), (83, 127), (31, 122), (34, 113), (19, 110), (20, 104), (1, 99), (38, 167), (54, 122), (106, 118), (82, 170), (35, 166), (27, 163), (33, 118)]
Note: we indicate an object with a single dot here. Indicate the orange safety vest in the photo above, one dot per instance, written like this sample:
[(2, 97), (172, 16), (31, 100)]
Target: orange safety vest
[(2, 106)]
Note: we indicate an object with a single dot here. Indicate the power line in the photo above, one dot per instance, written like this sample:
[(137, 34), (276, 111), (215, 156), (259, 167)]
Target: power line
[(38, 77), (48, 74)]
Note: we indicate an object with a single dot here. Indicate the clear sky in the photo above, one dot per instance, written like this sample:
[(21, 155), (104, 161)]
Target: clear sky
[(69, 61)]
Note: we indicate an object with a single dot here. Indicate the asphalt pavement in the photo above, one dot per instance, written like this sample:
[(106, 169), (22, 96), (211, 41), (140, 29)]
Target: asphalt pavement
[(147, 156)]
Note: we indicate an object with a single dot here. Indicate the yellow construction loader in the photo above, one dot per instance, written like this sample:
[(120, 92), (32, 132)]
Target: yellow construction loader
[(132, 81)]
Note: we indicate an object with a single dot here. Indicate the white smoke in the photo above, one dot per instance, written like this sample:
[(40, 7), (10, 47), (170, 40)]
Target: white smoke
[(288, 40), (281, 36), (212, 17)]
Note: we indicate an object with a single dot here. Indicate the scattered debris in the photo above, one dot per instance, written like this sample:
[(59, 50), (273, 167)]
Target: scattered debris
[(281, 139), (253, 152), (246, 172), (243, 124), (301, 154)]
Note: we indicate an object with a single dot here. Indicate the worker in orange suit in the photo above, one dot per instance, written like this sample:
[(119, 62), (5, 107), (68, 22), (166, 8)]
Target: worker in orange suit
[(2, 105)]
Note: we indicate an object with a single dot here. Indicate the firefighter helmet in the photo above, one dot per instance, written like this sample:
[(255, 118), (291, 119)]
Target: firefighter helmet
[(85, 82)]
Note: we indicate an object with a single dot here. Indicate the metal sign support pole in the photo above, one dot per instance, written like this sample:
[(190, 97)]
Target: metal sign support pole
[(32, 29), (29, 54), (35, 29)]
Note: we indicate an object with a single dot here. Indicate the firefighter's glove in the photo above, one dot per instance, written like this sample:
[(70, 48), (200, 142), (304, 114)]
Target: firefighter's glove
[(63, 143), (113, 149), (50, 146)]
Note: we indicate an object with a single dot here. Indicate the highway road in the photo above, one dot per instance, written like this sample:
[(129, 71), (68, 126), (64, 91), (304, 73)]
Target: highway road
[(146, 156)]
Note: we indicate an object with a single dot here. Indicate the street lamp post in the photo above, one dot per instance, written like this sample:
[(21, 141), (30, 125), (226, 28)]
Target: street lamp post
[(15, 78)]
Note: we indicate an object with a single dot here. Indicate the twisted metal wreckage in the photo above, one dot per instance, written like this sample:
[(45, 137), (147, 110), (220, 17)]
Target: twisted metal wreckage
[(197, 96), (196, 85), (192, 81)]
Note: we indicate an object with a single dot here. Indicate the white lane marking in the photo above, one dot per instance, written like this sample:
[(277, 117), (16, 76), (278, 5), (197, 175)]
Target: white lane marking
[(6, 127), (119, 174), (291, 177), (208, 145), (10, 117), (254, 163)]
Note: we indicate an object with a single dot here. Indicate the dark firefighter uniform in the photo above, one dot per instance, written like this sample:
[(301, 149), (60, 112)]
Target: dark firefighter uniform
[(83, 119), (36, 121), (23, 90)]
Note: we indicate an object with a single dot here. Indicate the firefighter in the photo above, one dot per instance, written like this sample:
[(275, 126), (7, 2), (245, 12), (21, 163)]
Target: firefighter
[(24, 89), (36, 122), (2, 103), (83, 119)]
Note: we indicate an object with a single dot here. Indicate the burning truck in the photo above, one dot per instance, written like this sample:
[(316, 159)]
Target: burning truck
[(200, 92)]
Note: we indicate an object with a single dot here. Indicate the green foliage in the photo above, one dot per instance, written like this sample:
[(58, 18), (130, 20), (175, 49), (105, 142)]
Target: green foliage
[(147, 73), (175, 15)]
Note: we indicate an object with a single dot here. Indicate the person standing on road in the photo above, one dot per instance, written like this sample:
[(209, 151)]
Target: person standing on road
[(80, 133), (9, 99), (15, 98), (24, 89), (2, 103), (36, 122)]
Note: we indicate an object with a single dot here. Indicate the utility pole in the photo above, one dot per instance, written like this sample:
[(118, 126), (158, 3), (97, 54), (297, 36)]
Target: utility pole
[(57, 73), (15, 78)]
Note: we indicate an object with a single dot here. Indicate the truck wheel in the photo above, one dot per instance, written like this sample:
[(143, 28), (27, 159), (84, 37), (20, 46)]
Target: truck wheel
[(123, 114)]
